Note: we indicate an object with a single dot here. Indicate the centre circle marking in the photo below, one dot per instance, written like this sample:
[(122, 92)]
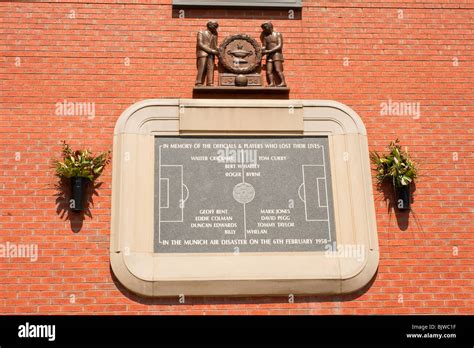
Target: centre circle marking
[(243, 192)]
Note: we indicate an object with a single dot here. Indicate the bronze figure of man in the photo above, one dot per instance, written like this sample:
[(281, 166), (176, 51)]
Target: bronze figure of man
[(272, 43), (206, 50)]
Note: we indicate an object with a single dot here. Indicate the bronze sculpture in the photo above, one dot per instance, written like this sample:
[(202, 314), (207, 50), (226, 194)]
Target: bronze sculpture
[(240, 59), (272, 43), (206, 50)]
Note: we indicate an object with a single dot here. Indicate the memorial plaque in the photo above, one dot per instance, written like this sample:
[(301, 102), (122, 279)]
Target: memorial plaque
[(214, 189), (227, 195)]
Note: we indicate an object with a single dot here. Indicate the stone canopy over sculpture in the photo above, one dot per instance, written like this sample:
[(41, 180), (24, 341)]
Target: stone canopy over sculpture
[(240, 58)]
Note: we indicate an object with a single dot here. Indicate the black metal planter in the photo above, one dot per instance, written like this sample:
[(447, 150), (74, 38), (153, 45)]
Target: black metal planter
[(78, 189), (403, 197)]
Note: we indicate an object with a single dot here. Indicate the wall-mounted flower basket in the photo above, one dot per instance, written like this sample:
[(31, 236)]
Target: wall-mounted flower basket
[(78, 188), (82, 168), (403, 197), (396, 167)]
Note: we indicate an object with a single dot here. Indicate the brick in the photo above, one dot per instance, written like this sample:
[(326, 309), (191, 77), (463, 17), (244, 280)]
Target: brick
[(407, 59)]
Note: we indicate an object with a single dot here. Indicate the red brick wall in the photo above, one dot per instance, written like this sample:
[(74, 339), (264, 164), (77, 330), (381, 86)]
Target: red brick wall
[(404, 51)]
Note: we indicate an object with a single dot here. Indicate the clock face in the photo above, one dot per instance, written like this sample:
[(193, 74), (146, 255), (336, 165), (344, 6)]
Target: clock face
[(240, 54)]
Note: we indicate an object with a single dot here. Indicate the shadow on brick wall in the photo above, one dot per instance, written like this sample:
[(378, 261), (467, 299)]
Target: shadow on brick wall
[(388, 195), (214, 300), (63, 209)]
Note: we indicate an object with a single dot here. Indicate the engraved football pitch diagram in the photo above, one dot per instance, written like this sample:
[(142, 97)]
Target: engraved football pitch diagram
[(242, 195)]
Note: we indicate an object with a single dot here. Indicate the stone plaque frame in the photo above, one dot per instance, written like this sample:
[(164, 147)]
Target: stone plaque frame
[(147, 273)]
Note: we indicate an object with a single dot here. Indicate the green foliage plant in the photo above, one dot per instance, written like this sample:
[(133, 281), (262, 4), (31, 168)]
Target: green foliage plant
[(396, 166), (80, 163)]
